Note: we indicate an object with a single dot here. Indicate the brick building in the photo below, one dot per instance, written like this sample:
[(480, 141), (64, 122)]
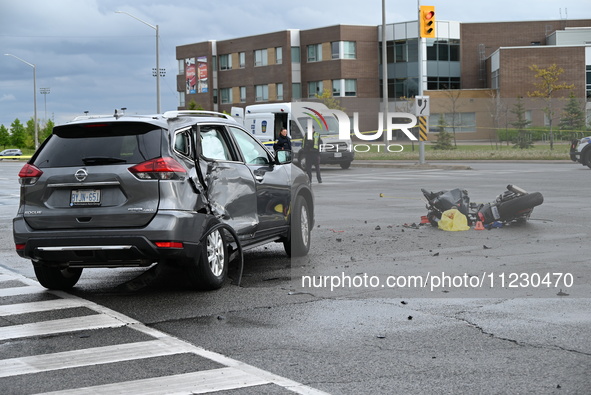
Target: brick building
[(474, 71)]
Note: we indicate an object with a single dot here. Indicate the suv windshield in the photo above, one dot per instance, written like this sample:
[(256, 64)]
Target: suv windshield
[(100, 144)]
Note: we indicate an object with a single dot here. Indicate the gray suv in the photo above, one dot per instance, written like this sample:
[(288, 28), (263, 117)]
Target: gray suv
[(186, 187)]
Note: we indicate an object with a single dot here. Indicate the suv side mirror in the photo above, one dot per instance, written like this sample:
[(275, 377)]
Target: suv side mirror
[(283, 157)]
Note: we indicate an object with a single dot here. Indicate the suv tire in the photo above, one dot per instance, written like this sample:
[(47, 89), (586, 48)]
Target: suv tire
[(56, 278), (586, 158), (209, 271), (298, 243)]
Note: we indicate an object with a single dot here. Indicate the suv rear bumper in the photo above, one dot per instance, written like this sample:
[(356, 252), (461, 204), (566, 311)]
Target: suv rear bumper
[(114, 247)]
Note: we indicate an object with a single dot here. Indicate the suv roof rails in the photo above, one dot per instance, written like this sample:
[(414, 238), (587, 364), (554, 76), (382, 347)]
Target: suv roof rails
[(83, 117), (195, 113)]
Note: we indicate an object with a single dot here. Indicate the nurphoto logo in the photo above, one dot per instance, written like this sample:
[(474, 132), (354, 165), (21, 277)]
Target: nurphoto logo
[(318, 112)]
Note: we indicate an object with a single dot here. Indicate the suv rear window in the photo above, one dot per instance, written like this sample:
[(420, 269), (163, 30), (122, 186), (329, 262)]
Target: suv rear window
[(100, 144)]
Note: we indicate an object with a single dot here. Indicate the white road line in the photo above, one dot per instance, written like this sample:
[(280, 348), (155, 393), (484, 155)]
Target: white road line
[(35, 307), (15, 291), (190, 383), (6, 277), (65, 325), (236, 375), (88, 357)]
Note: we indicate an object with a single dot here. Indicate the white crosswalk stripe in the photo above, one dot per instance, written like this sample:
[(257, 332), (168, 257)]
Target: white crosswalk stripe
[(232, 375)]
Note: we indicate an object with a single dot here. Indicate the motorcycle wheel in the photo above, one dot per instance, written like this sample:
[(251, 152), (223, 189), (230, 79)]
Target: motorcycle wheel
[(515, 207)]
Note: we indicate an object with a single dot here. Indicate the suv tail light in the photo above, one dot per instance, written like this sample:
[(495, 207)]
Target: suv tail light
[(158, 169), (29, 175)]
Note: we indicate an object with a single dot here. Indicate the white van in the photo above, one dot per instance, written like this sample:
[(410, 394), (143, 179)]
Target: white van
[(265, 121)]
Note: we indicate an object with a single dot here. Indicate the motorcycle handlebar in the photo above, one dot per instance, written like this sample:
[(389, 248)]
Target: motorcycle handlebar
[(516, 189)]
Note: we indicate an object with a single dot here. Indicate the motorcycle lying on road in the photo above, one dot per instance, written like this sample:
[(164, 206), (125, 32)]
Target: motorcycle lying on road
[(515, 205)]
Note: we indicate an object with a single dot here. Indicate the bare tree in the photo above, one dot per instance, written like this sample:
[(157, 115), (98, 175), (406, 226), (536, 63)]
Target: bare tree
[(454, 107), (546, 86)]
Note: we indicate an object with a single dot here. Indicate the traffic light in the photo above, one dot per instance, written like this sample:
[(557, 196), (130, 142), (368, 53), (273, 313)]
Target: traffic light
[(427, 21)]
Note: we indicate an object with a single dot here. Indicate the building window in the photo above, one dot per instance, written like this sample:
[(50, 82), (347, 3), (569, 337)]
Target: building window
[(443, 83), (401, 87), (343, 50), (494, 80), (344, 87), (314, 87), (336, 87), (278, 55), (314, 53), (279, 91), (459, 121), (226, 94), (242, 59), (444, 50), (181, 66), (588, 85), (295, 55), (181, 99), (226, 62), (296, 91), (242, 94), (260, 57), (262, 92), (350, 87)]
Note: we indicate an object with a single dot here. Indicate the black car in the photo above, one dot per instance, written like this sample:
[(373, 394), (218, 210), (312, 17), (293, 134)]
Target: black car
[(190, 188)]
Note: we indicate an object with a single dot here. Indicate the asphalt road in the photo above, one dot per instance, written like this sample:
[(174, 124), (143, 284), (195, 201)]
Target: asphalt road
[(350, 332)]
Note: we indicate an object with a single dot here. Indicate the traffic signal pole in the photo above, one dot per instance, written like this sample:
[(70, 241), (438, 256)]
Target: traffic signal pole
[(426, 29), (421, 68)]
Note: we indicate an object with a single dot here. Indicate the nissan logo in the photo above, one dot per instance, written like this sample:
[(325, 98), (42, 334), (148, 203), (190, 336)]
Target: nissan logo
[(81, 175)]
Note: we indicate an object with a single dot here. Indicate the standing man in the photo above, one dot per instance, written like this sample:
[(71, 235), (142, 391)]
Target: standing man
[(312, 155)]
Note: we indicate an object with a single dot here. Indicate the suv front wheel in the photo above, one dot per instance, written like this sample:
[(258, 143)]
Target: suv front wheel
[(210, 269), (56, 278)]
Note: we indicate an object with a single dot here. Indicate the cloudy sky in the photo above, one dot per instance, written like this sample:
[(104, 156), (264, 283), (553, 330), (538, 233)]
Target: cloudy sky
[(93, 59)]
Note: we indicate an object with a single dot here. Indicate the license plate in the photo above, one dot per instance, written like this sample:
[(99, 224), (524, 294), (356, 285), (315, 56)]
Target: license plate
[(338, 154), (85, 197)]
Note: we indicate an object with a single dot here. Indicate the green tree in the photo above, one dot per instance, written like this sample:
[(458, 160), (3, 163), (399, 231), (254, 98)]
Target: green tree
[(30, 134), (444, 138), (4, 136), (329, 100), (522, 140), (46, 131), (548, 83), (573, 116), (18, 134), (194, 106)]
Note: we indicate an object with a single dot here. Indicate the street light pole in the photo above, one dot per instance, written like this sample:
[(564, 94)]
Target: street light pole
[(385, 94), (34, 95), (45, 92), (157, 56)]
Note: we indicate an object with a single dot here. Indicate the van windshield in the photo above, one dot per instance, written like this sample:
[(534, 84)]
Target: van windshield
[(319, 126)]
